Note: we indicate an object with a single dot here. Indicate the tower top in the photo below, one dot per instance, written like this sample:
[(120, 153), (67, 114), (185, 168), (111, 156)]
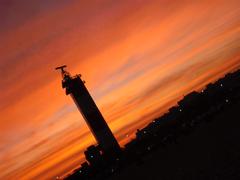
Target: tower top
[(61, 68), (63, 72)]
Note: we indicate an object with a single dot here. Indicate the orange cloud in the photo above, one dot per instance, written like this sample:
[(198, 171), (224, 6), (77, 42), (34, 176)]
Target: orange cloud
[(138, 58)]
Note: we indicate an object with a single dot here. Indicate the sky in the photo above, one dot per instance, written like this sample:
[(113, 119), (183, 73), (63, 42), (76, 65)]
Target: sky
[(138, 58)]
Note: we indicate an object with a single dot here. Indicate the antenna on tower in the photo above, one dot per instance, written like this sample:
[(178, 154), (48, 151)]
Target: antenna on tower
[(61, 68), (63, 72)]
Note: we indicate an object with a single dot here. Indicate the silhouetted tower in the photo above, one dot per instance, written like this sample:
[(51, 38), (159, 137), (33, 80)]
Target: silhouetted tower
[(98, 126)]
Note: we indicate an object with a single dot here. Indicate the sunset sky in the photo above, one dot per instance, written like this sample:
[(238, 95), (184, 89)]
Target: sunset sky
[(138, 58)]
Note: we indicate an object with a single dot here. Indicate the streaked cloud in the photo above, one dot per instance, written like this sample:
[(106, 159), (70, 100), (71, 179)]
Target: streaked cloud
[(137, 57)]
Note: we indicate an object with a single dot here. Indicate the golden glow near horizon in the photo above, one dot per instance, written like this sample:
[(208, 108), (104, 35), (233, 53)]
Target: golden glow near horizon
[(137, 57)]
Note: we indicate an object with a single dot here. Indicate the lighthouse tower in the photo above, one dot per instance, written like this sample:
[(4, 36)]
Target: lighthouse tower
[(75, 87)]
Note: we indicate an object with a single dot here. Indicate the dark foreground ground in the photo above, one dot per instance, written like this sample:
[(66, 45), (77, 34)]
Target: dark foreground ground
[(212, 151)]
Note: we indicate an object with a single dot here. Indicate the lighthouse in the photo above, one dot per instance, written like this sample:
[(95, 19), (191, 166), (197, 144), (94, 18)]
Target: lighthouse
[(75, 87)]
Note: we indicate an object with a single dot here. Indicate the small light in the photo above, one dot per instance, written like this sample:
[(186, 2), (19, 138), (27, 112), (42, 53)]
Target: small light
[(153, 121), (144, 132), (227, 100), (180, 110), (149, 148), (127, 135), (91, 156), (221, 85)]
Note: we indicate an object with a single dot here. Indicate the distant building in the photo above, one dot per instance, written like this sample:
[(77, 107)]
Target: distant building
[(188, 99), (93, 155)]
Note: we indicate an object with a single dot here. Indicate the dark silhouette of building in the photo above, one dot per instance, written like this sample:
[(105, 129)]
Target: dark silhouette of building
[(107, 143), (185, 140), (93, 156)]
